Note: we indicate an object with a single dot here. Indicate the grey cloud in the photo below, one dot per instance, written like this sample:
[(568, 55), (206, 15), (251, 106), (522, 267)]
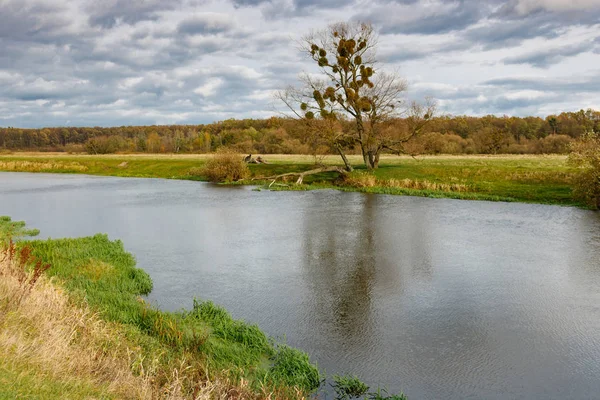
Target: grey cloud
[(436, 22), (508, 33), (586, 84), (521, 9), (106, 13), (428, 18), (406, 53), (205, 24), (42, 23), (507, 27), (280, 9), (546, 58), (297, 4), (248, 3), (403, 54)]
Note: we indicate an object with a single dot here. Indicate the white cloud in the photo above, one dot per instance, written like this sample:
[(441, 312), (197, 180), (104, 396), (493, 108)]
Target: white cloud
[(210, 88), (526, 94)]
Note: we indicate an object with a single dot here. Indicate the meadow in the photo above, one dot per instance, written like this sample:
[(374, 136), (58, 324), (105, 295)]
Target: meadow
[(522, 178)]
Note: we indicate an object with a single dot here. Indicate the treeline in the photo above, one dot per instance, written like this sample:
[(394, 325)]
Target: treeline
[(446, 134)]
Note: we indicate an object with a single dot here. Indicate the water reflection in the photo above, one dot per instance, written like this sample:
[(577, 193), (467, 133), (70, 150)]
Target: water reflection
[(339, 266)]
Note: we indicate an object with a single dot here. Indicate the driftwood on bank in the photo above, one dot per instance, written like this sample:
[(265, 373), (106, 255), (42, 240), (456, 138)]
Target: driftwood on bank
[(301, 175)]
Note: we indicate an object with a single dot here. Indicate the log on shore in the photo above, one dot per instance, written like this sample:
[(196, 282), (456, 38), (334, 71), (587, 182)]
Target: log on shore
[(301, 175)]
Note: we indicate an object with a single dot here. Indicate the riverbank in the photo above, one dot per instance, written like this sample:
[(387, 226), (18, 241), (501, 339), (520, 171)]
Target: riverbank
[(521, 178), (81, 329)]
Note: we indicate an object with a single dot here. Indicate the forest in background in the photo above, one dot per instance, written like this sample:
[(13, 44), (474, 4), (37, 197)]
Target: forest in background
[(442, 135)]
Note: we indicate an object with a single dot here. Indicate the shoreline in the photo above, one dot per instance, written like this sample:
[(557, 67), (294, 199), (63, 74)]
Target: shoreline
[(513, 178), (185, 351)]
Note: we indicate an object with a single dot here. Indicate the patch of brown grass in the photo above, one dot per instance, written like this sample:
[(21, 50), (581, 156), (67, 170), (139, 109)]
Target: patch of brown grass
[(45, 335), (359, 179), (424, 185), (38, 166), (367, 180)]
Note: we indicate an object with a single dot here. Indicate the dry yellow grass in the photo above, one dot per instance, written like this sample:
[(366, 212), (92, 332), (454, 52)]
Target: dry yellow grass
[(52, 338), (366, 180), (53, 348), (423, 185), (37, 166)]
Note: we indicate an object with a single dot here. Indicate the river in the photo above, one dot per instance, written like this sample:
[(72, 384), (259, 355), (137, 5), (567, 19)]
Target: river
[(438, 298)]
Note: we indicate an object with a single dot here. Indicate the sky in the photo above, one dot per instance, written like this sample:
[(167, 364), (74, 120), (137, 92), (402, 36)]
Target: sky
[(145, 62)]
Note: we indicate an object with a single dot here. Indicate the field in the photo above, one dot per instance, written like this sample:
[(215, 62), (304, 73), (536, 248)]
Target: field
[(524, 178)]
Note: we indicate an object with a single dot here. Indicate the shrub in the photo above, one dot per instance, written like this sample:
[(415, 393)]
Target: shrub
[(554, 144), (359, 179), (585, 156), (226, 166)]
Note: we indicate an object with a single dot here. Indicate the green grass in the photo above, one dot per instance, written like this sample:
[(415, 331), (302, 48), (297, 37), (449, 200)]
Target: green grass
[(537, 179), (99, 272), (348, 386), (532, 179)]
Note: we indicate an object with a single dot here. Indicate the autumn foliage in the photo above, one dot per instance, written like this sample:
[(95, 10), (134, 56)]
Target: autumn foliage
[(445, 134)]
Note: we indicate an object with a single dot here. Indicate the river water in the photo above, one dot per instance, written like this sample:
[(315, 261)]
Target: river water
[(438, 298)]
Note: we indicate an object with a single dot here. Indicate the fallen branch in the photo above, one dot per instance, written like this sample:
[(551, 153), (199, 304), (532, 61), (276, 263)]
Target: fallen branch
[(301, 175)]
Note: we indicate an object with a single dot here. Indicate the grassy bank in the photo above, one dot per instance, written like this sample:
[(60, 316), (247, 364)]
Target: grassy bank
[(82, 330), (535, 179)]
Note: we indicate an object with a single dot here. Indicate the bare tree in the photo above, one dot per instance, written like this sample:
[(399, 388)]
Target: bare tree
[(351, 87)]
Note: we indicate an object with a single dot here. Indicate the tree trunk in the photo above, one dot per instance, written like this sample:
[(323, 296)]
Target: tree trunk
[(371, 160), (344, 158), (360, 128)]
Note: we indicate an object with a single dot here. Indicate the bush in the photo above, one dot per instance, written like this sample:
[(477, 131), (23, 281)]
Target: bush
[(554, 144), (585, 156), (226, 166), (359, 179)]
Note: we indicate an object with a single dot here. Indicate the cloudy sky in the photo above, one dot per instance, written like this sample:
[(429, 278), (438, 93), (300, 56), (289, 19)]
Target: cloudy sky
[(134, 62)]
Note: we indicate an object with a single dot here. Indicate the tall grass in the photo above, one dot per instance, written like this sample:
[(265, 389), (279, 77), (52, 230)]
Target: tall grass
[(42, 166), (52, 348), (176, 355), (360, 179)]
